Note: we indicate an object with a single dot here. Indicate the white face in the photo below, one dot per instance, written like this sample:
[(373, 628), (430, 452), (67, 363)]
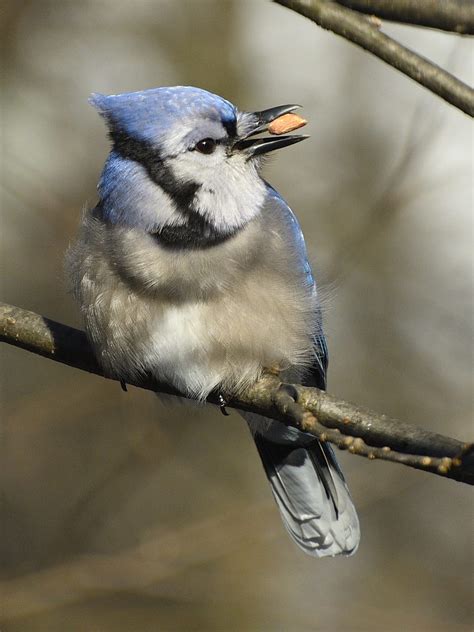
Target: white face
[(231, 191)]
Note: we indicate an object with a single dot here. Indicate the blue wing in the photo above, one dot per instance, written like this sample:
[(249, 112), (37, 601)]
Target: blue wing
[(305, 478), (316, 376)]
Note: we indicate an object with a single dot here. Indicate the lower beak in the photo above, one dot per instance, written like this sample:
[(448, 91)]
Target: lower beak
[(259, 146)]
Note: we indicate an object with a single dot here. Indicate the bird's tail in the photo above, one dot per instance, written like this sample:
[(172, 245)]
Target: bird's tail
[(310, 491)]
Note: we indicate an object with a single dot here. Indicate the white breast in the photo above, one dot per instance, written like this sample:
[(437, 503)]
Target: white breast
[(181, 349), (196, 319)]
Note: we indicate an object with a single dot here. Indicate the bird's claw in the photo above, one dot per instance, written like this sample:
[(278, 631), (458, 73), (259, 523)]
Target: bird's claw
[(290, 390), (222, 405)]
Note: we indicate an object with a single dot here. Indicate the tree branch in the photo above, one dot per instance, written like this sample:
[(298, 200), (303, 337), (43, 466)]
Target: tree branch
[(347, 426), (456, 16), (364, 32)]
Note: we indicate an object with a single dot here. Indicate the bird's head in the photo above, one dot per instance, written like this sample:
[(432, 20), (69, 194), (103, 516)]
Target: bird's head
[(183, 155)]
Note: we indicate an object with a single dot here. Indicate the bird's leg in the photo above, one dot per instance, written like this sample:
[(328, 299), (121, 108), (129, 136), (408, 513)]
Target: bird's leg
[(123, 385)]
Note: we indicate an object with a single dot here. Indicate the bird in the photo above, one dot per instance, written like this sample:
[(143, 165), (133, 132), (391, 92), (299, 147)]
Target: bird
[(193, 270)]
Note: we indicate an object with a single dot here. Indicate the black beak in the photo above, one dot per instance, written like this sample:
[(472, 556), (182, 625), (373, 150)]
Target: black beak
[(258, 146)]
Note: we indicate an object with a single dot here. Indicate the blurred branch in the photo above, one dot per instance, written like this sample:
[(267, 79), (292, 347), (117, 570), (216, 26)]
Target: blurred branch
[(349, 427), (363, 31), (157, 559), (456, 16)]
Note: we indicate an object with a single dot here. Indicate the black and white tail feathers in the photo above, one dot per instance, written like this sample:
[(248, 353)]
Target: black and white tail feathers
[(309, 488)]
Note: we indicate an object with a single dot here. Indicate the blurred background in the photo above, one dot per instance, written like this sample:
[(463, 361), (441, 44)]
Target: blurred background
[(119, 513)]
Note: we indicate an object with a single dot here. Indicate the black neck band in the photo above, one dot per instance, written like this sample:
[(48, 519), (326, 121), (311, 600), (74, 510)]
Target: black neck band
[(187, 237)]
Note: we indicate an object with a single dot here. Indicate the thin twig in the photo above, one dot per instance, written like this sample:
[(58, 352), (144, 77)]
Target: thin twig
[(364, 32), (307, 421), (456, 16), (350, 427)]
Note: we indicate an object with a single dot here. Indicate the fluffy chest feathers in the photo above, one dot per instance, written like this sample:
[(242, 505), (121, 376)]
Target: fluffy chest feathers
[(197, 318)]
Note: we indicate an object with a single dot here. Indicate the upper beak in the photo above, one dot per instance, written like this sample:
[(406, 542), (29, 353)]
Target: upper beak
[(258, 146)]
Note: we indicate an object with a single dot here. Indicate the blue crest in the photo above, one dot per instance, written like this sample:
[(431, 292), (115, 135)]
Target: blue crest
[(149, 114)]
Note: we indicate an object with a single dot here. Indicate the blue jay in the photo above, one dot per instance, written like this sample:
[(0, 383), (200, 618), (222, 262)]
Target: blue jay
[(193, 269)]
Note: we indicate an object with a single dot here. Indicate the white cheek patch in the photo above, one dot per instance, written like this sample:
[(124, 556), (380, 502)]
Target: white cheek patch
[(230, 193), (193, 166)]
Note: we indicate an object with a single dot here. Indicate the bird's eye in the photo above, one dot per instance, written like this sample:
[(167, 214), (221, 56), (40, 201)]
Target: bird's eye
[(206, 145)]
